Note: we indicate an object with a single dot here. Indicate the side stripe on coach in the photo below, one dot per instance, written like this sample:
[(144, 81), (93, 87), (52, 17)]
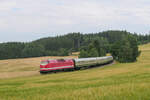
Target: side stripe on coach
[(58, 67)]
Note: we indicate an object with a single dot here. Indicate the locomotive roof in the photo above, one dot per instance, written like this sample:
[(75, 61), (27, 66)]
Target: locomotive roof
[(57, 60)]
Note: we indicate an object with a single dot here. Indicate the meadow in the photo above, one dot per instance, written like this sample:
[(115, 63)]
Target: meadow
[(20, 80)]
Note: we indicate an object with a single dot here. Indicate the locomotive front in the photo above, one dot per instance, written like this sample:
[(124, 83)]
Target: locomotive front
[(55, 65), (44, 65)]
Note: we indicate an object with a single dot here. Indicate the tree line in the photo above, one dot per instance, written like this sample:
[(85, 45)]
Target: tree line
[(89, 45)]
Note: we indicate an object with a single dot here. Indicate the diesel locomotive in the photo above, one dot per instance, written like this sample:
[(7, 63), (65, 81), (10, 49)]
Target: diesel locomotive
[(64, 64)]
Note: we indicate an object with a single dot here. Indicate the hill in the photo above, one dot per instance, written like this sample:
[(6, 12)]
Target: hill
[(65, 44), (128, 81)]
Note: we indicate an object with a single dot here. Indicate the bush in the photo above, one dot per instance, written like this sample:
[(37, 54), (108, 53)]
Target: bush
[(125, 50)]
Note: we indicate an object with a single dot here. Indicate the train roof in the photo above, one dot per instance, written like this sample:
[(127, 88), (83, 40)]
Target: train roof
[(92, 58)]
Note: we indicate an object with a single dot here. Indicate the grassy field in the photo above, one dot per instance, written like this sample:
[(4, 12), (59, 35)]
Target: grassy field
[(20, 80), (22, 67)]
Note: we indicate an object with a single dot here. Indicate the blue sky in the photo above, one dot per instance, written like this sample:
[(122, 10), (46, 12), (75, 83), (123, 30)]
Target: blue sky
[(27, 20)]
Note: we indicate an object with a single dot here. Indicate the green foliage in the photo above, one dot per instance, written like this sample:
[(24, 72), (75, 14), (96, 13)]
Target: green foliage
[(94, 49), (134, 45), (63, 52), (83, 54), (101, 45), (33, 50), (11, 50), (114, 36), (126, 50), (93, 53)]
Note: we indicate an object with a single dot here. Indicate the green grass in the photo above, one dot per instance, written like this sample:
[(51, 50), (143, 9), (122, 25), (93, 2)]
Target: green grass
[(130, 81)]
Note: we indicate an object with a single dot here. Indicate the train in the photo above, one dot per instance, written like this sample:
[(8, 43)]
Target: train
[(72, 64)]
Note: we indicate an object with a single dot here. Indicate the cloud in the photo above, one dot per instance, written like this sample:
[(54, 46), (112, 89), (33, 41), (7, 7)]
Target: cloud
[(29, 18)]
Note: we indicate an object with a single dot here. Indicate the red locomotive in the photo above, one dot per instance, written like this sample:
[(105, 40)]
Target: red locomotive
[(52, 65)]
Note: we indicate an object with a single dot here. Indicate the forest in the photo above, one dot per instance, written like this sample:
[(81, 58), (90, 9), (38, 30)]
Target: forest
[(89, 45)]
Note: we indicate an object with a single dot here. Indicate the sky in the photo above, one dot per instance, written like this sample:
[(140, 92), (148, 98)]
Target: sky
[(28, 20)]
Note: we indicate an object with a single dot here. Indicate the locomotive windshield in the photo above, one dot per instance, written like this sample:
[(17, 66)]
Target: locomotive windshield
[(44, 62)]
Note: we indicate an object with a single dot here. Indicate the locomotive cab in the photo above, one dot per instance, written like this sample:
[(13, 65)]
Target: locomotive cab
[(53, 65)]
